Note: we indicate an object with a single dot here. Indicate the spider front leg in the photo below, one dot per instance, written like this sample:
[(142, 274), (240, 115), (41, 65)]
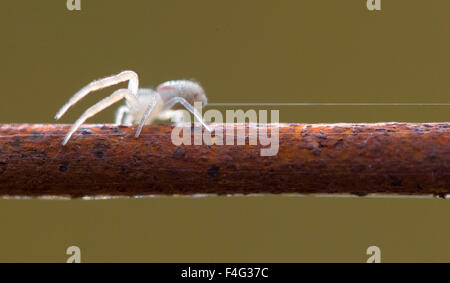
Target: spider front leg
[(130, 76), (99, 106)]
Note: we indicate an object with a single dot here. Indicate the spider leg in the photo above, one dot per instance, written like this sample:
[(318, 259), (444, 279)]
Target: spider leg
[(130, 76), (121, 112), (149, 111), (128, 119), (99, 106), (174, 100)]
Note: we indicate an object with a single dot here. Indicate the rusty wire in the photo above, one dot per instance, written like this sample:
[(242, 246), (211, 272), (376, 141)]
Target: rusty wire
[(360, 159)]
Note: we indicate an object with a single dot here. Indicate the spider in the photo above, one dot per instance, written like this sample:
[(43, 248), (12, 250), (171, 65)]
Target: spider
[(143, 105)]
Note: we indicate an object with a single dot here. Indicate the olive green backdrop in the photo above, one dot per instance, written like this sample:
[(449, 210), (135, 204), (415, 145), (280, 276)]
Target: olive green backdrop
[(241, 51)]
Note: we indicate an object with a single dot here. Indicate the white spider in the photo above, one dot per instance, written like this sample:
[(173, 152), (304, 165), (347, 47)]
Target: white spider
[(143, 105)]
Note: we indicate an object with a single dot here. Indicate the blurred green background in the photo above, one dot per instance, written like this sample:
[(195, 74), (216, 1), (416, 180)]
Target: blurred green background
[(241, 51)]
